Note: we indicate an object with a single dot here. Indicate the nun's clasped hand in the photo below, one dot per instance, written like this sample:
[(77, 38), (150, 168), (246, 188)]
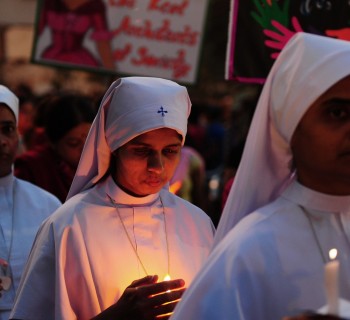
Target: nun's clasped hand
[(146, 299)]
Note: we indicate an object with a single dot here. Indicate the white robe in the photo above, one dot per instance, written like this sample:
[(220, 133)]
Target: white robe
[(26, 206), (270, 265), (82, 260)]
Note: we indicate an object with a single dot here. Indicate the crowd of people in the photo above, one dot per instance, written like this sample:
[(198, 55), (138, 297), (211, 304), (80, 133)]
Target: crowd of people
[(61, 127), (105, 209)]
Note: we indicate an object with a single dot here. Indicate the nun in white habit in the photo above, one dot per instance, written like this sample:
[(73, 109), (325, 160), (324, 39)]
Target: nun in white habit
[(23, 206), (121, 227), (290, 202)]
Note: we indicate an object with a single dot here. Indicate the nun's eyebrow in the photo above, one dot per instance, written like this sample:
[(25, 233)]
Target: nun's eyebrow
[(337, 101), (7, 123), (144, 144)]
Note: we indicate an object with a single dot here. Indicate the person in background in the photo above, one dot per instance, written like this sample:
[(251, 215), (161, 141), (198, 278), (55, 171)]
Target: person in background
[(23, 206), (230, 170), (188, 181), (110, 250), (26, 117), (289, 204), (214, 151), (67, 119)]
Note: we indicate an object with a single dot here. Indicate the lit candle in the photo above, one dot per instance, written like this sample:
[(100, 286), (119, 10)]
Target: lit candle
[(167, 278), (332, 282)]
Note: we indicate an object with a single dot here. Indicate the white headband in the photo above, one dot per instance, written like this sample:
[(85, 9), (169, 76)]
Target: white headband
[(307, 66), (8, 97), (130, 107)]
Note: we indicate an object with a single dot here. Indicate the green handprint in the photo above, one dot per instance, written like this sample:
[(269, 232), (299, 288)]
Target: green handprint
[(271, 10)]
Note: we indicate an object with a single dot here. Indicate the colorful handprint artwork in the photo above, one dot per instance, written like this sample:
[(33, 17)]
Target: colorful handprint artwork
[(261, 28)]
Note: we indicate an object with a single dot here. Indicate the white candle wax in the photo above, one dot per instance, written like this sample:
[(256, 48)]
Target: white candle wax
[(332, 286)]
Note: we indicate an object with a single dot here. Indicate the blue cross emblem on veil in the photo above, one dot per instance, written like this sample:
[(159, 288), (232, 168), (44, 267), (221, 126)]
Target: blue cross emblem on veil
[(162, 111)]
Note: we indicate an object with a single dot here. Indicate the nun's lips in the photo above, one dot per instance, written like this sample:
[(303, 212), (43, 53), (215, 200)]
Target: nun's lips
[(154, 182)]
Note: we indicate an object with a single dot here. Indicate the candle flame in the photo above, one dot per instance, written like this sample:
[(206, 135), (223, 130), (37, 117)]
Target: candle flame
[(167, 278), (333, 253)]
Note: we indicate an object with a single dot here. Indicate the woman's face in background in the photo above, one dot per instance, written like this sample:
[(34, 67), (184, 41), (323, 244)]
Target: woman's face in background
[(70, 146)]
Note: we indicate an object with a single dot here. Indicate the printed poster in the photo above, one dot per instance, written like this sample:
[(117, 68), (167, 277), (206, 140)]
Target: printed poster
[(259, 29), (160, 38)]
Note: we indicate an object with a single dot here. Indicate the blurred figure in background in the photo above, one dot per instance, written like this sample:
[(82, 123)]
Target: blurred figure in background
[(214, 139), (23, 206), (197, 128), (230, 170), (188, 181), (206, 134), (26, 117), (67, 118)]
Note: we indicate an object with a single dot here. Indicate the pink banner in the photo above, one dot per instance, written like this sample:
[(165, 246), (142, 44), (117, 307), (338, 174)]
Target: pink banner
[(136, 37)]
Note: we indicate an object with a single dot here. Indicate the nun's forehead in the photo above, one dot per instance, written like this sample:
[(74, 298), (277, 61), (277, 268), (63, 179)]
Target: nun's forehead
[(10, 100), (137, 137), (5, 106)]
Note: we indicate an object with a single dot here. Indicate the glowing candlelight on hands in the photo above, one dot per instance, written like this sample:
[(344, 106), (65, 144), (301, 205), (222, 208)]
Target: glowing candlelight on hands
[(332, 282), (167, 278)]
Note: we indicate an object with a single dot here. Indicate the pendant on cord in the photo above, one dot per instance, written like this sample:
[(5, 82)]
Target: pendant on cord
[(5, 275)]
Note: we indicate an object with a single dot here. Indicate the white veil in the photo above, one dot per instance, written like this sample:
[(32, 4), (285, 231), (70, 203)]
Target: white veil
[(307, 66), (131, 106)]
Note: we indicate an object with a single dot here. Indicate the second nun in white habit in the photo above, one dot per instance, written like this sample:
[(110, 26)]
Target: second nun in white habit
[(106, 251), (23, 206), (290, 201)]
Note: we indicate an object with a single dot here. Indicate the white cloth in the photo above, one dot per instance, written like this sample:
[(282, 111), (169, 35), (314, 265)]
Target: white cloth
[(8, 97), (82, 260), (23, 207), (130, 107), (270, 266), (266, 264), (307, 66)]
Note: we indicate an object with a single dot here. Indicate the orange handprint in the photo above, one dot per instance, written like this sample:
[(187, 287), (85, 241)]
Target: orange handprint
[(343, 34)]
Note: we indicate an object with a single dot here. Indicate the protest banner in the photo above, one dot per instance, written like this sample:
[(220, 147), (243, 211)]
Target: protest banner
[(160, 38), (259, 29)]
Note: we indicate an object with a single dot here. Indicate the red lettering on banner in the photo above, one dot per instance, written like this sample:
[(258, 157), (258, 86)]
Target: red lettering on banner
[(163, 33), (120, 54), (177, 64), (168, 7), (122, 3)]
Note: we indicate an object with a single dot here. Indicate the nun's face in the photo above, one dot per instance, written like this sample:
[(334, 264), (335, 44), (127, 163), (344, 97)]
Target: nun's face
[(8, 140), (146, 163), (321, 142)]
